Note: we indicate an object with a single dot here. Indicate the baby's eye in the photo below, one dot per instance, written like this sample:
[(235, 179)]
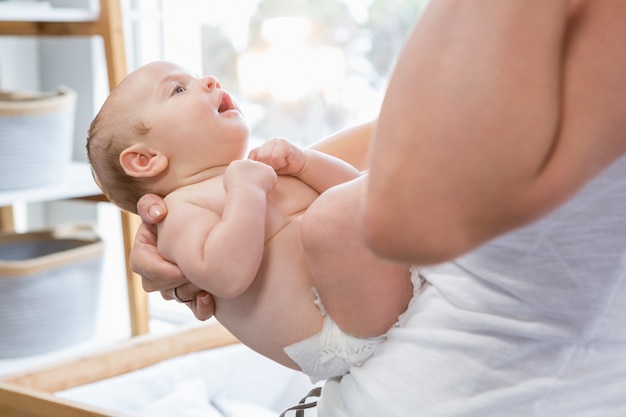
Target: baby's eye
[(178, 89)]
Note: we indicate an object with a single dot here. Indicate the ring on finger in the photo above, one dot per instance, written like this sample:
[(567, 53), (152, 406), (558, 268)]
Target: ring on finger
[(176, 297)]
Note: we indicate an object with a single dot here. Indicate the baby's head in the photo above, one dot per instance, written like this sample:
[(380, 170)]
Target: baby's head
[(111, 132), (159, 130)]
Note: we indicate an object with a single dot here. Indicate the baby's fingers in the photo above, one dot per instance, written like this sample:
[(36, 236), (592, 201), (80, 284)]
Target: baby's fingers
[(265, 153), (280, 154)]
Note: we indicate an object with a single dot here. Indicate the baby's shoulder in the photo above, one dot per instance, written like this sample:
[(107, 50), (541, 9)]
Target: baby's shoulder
[(207, 194)]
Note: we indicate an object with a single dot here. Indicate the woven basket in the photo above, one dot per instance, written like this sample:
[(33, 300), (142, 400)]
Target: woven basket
[(36, 135), (49, 289)]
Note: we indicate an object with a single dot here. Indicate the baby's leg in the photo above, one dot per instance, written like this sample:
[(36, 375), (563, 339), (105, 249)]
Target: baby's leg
[(363, 293)]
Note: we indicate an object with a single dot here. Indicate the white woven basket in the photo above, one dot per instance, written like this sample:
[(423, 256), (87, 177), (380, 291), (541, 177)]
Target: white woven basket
[(36, 135), (49, 289)]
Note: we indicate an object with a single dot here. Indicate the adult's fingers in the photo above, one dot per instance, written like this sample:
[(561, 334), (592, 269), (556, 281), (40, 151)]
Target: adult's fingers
[(157, 273), (200, 303), (186, 292), (151, 209), (202, 306)]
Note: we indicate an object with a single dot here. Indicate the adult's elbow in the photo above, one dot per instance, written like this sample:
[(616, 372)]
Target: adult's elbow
[(410, 237)]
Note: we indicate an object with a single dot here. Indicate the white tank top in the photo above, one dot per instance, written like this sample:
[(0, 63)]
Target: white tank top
[(531, 324)]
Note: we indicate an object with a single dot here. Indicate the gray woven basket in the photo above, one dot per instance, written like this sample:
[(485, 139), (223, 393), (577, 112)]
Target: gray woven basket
[(36, 135), (49, 289)]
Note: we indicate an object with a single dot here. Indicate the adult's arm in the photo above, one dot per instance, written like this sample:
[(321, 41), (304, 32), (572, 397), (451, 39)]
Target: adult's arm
[(352, 144), (592, 134), (467, 128)]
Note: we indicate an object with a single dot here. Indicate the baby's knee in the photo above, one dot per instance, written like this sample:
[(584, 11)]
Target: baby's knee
[(315, 230)]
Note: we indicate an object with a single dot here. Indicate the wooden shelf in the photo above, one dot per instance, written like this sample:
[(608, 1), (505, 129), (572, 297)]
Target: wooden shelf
[(31, 19), (78, 183), (43, 12), (39, 19)]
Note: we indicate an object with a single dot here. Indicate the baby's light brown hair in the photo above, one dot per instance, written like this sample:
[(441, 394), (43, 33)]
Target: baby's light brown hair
[(110, 132)]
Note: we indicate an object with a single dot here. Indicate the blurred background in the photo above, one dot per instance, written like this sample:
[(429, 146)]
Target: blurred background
[(300, 69)]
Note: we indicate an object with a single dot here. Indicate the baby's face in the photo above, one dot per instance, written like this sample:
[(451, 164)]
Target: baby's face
[(191, 119)]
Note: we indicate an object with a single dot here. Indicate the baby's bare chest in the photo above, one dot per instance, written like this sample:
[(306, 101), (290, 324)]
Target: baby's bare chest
[(286, 202)]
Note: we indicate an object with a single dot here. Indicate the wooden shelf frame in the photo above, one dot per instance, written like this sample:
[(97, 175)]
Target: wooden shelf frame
[(108, 25), (32, 393)]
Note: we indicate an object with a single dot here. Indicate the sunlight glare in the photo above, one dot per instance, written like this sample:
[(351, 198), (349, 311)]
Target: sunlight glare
[(286, 30)]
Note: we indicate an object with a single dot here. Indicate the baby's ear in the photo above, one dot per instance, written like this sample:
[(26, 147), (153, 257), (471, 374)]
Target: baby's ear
[(140, 162)]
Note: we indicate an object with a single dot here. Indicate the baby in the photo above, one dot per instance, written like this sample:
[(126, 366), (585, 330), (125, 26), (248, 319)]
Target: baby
[(234, 224)]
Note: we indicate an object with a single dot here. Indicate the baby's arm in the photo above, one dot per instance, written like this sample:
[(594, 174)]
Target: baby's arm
[(221, 254), (317, 169)]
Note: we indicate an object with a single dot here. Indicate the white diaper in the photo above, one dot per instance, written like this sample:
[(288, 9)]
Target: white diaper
[(332, 352)]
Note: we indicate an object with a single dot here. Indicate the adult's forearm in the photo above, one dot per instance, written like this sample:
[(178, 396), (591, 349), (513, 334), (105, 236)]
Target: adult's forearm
[(469, 118), (323, 171), (352, 145)]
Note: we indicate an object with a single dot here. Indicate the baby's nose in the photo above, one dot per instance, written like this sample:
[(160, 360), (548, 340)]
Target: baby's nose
[(210, 82)]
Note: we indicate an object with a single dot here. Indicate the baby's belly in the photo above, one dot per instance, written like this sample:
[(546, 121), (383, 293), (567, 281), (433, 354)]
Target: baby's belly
[(278, 309)]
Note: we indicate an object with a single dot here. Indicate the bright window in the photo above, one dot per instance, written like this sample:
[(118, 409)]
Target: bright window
[(299, 69)]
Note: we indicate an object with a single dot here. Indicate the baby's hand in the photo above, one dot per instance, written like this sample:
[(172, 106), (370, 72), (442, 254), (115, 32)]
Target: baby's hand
[(282, 155), (247, 172)]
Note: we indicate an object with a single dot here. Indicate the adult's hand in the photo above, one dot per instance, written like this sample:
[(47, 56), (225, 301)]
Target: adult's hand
[(158, 274)]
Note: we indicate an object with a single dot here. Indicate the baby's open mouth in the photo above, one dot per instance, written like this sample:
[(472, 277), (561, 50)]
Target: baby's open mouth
[(226, 103)]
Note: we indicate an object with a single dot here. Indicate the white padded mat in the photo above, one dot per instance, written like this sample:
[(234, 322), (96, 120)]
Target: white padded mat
[(232, 381)]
